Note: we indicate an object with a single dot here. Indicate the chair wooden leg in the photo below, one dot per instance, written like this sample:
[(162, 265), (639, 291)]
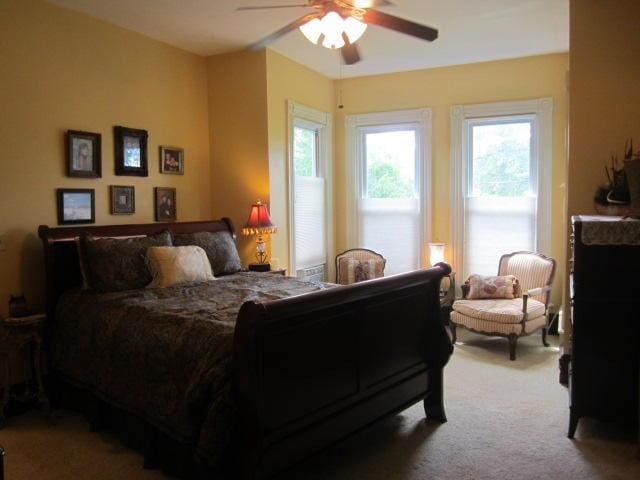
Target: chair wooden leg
[(544, 336), (454, 335), (513, 343)]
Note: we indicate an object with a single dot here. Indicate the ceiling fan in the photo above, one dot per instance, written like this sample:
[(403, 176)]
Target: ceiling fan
[(340, 23)]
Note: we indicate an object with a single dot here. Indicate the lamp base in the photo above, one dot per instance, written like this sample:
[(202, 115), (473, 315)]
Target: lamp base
[(259, 267)]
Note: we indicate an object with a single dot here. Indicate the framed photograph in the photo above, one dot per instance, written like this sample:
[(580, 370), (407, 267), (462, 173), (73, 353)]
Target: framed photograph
[(166, 210), (131, 151), (123, 200), (84, 150), (172, 160), (76, 205)]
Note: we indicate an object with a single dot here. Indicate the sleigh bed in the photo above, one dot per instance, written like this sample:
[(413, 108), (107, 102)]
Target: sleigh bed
[(250, 373)]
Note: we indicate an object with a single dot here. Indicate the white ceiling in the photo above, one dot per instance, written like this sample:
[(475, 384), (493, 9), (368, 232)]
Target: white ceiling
[(470, 30)]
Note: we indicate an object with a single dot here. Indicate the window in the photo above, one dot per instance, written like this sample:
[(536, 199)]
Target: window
[(501, 181), (309, 148), (391, 180)]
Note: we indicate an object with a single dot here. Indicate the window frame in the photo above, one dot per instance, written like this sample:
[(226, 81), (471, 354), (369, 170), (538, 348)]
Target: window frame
[(303, 115), (302, 123), (362, 133), (541, 111), (422, 118)]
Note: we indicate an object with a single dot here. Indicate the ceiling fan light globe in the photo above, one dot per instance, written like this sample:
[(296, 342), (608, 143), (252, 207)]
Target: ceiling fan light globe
[(312, 30), (332, 28), (354, 29)]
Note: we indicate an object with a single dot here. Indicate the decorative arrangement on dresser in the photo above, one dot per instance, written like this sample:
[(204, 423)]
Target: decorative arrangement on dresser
[(615, 197), (605, 354), (156, 362), (259, 223), (166, 206), (84, 154), (123, 199), (76, 205), (172, 160), (131, 151)]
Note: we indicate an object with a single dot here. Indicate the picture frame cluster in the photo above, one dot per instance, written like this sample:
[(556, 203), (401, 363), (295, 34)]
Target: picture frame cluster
[(84, 160)]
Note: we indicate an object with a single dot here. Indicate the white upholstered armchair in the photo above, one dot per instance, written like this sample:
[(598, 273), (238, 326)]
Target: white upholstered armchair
[(516, 317)]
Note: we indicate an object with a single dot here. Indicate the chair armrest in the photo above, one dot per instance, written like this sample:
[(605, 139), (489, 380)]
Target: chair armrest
[(537, 291)]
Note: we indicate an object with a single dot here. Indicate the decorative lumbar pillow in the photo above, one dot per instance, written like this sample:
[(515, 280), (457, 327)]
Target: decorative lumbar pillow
[(353, 270), (480, 286), (116, 264), (175, 265), (219, 247)]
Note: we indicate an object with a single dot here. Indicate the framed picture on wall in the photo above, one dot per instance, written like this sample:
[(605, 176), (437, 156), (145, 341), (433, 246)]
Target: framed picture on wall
[(131, 151), (165, 201), (123, 199), (84, 151), (76, 205), (172, 160)]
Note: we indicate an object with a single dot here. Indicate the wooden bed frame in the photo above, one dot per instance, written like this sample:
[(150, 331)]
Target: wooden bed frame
[(313, 369)]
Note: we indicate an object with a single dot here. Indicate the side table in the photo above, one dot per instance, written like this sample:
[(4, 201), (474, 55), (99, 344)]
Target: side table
[(447, 297), (16, 334), (278, 271)]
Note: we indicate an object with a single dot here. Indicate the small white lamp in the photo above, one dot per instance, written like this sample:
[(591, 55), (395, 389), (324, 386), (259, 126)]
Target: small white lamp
[(436, 253)]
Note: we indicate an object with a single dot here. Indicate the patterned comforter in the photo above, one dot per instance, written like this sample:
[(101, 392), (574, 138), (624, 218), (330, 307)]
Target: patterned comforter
[(164, 354)]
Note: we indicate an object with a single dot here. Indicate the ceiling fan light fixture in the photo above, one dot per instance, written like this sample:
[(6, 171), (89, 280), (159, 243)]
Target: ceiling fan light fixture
[(354, 29), (332, 28), (312, 30)]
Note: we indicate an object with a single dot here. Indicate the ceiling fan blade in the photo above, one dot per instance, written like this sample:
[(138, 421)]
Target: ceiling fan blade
[(368, 3), (268, 7), (401, 25), (283, 31), (349, 52)]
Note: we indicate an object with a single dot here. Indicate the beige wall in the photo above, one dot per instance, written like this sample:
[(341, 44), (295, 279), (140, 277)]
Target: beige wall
[(439, 88), (288, 80), (62, 70), (605, 92), (238, 136)]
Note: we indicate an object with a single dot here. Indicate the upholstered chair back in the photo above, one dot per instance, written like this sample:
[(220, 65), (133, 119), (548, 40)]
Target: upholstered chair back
[(361, 255), (533, 270)]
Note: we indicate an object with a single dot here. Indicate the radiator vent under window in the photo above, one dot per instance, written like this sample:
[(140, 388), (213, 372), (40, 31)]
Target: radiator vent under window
[(312, 274)]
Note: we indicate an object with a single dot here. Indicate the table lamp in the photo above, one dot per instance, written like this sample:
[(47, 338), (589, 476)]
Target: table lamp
[(436, 253), (259, 224)]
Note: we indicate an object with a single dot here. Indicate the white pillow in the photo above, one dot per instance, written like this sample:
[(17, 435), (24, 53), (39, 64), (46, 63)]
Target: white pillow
[(175, 265)]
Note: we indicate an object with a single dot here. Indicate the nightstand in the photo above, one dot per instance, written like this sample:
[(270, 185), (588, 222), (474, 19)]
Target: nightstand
[(15, 335), (278, 271)]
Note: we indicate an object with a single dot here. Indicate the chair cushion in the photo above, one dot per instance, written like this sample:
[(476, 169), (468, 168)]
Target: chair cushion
[(352, 270), (498, 328), (481, 286), (498, 310)]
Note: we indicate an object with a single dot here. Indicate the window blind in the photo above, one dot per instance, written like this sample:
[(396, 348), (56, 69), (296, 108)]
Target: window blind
[(310, 219), (495, 226), (383, 221)]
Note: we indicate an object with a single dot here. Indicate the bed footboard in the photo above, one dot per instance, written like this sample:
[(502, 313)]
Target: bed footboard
[(313, 369)]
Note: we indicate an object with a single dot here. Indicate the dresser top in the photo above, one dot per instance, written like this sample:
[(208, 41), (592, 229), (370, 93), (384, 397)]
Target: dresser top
[(607, 230)]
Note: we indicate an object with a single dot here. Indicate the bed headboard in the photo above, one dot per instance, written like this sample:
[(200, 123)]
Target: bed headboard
[(62, 268)]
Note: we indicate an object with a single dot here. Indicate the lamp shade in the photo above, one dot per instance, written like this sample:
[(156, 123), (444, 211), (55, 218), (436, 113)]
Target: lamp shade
[(436, 253), (259, 222)]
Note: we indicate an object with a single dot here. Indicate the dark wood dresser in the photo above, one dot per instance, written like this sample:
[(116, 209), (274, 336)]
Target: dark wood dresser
[(605, 298)]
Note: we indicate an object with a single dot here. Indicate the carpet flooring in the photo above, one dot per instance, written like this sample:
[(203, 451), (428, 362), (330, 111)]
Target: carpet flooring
[(507, 420)]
